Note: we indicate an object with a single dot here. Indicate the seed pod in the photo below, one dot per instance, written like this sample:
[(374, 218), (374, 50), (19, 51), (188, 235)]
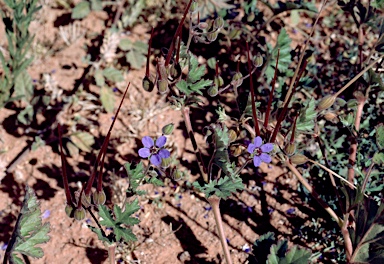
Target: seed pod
[(148, 84), (213, 91), (219, 23), (175, 71), (298, 159), (326, 102), (331, 116), (202, 25), (168, 129), (258, 60), (177, 175), (251, 17), (236, 150), (290, 149), (218, 81), (234, 33), (79, 214), (237, 79), (162, 85), (194, 7), (212, 36), (165, 163), (69, 210), (99, 198), (232, 135), (86, 200)]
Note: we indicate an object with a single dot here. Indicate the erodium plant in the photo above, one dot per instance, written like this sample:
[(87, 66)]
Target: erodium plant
[(260, 135)]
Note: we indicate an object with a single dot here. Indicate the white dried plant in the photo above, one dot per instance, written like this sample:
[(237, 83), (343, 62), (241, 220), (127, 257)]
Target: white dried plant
[(71, 33), (51, 87), (108, 49)]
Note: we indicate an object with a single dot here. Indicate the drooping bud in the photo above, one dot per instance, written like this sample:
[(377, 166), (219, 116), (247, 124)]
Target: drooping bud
[(165, 163), (213, 91), (69, 210), (177, 175), (251, 17), (175, 71), (218, 81), (79, 214), (232, 135), (258, 60), (237, 79), (219, 23), (298, 159), (99, 198), (168, 129), (326, 102), (86, 200), (194, 7), (331, 116), (148, 84), (234, 33), (290, 148), (202, 25), (162, 85), (212, 36), (236, 150)]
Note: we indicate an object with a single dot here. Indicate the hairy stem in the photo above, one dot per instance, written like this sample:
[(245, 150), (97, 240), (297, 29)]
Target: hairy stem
[(214, 201), (254, 110), (64, 168), (268, 112), (111, 253)]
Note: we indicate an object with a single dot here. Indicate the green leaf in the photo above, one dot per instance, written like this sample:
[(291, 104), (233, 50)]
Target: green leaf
[(196, 72), (107, 99), (135, 175), (295, 17), (378, 158), (100, 234), (223, 188), (140, 47), (29, 230), (26, 115), (279, 255), (99, 78), (136, 59), (83, 140), (307, 117), (121, 218), (23, 86), (81, 10), (125, 44), (96, 5), (113, 75), (380, 136)]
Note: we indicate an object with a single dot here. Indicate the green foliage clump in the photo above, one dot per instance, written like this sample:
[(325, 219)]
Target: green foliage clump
[(29, 231)]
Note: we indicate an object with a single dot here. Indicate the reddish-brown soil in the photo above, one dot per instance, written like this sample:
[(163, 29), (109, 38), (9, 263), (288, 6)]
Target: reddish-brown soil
[(176, 224)]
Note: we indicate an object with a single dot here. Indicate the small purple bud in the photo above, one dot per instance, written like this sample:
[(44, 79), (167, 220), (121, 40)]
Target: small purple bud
[(46, 214), (115, 90)]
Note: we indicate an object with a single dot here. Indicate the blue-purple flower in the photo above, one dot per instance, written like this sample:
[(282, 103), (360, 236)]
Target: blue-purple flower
[(154, 150), (260, 151)]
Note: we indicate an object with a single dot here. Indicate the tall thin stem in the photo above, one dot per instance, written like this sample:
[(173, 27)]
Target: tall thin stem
[(214, 201), (254, 110)]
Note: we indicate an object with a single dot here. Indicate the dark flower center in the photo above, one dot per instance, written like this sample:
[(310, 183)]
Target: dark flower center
[(258, 151)]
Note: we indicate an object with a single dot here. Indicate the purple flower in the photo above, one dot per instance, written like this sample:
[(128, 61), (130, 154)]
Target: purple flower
[(260, 151), (155, 151), (46, 214)]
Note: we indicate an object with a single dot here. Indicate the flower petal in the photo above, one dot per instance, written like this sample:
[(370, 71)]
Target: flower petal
[(251, 148), (265, 157), (267, 147), (160, 142), (147, 142), (164, 153), (258, 141), (256, 161), (155, 159), (144, 152)]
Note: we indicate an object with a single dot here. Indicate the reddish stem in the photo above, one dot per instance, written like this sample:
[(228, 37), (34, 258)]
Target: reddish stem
[(64, 168), (254, 110), (285, 108), (178, 30), (103, 148), (268, 112)]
